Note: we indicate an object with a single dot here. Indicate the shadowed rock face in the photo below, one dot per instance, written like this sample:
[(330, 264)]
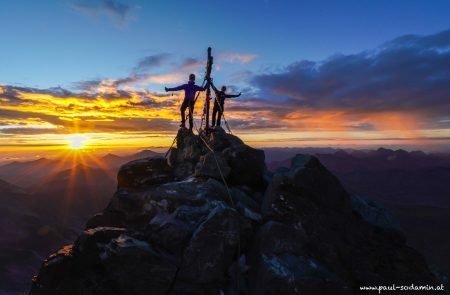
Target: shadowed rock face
[(174, 227)]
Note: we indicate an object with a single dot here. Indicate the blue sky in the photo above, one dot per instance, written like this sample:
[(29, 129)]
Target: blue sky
[(51, 43)]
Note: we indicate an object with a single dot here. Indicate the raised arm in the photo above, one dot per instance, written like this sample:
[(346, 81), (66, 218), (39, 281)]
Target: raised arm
[(232, 95), (181, 87)]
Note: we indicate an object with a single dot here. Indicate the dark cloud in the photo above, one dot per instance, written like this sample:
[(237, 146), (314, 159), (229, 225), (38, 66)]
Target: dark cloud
[(88, 85), (408, 74), (92, 86), (144, 103), (10, 94), (138, 74), (117, 10), (13, 93), (150, 62), (191, 63), (31, 131), (126, 125), (254, 123), (19, 115)]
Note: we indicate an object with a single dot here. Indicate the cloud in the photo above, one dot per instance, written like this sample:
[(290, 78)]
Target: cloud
[(178, 74), (401, 85), (192, 64), (409, 74), (116, 10), (56, 110), (151, 62), (242, 58)]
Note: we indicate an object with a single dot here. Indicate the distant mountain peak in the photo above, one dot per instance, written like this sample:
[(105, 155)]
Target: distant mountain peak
[(111, 156), (174, 227)]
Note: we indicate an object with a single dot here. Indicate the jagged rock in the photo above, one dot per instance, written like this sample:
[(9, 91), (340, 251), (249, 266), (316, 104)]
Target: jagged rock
[(144, 172), (219, 140), (291, 274), (174, 227), (311, 176), (137, 268), (374, 213), (213, 165), (108, 218), (247, 165), (212, 247), (173, 231), (352, 250)]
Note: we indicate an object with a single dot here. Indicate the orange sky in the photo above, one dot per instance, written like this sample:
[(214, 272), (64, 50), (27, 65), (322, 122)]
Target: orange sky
[(42, 124)]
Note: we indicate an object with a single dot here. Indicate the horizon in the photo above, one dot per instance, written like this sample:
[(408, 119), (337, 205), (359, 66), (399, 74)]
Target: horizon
[(90, 155), (96, 71)]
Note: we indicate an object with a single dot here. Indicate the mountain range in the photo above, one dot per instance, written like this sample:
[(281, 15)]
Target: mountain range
[(210, 219), (44, 203)]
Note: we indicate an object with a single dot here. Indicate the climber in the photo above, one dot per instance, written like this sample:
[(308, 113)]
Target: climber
[(190, 89), (219, 103)]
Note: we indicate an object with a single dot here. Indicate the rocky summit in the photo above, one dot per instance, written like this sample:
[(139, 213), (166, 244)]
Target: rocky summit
[(210, 219)]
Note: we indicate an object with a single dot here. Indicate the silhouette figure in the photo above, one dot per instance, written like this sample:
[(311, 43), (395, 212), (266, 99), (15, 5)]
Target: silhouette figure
[(219, 103), (190, 89)]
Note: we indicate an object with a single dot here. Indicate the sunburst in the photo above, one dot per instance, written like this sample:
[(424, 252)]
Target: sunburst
[(77, 141)]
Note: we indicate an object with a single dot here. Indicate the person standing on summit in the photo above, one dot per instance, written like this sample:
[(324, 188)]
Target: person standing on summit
[(190, 89), (219, 103)]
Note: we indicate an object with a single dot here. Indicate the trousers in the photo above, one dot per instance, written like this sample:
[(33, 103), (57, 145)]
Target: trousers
[(217, 112), (187, 103)]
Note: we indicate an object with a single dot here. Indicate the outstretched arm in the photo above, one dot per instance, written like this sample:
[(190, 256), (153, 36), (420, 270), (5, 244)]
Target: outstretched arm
[(181, 87), (232, 95)]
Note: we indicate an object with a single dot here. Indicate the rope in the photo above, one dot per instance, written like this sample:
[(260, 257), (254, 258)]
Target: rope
[(223, 114), (231, 201), (220, 172), (173, 142), (223, 180)]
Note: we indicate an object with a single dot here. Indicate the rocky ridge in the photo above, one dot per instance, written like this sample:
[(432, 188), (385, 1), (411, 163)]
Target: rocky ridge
[(174, 227)]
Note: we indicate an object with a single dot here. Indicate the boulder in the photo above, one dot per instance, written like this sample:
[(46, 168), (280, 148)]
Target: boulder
[(137, 268), (309, 175), (213, 165), (374, 213), (144, 172), (247, 165), (291, 274), (349, 249), (220, 140)]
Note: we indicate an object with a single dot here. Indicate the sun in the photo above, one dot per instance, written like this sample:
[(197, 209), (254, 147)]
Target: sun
[(77, 141)]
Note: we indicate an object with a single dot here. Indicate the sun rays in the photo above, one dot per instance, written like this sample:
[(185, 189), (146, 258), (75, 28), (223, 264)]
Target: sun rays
[(77, 141)]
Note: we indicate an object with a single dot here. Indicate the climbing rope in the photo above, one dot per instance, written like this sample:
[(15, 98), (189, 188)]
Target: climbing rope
[(223, 180), (173, 142), (223, 114), (219, 169), (231, 201)]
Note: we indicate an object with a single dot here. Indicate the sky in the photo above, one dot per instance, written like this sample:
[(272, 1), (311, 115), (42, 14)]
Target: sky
[(315, 73)]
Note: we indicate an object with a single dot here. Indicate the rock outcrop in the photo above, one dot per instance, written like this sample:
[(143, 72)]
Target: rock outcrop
[(175, 227)]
